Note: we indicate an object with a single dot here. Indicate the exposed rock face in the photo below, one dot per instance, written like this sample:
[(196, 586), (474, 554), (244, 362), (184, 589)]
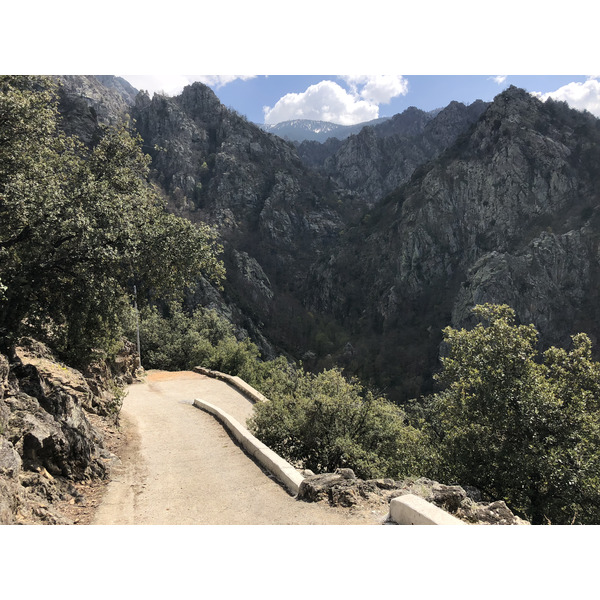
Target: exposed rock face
[(314, 154), (119, 85), (86, 101), (508, 214), (548, 282), (103, 377), (377, 160), (342, 488), (46, 440), (47, 424), (226, 171), (273, 214)]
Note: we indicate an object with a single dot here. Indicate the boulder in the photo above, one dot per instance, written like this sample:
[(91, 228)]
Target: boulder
[(341, 488)]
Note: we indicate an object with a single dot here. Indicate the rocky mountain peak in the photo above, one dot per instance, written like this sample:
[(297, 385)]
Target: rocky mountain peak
[(120, 85), (409, 122), (200, 102), (514, 105)]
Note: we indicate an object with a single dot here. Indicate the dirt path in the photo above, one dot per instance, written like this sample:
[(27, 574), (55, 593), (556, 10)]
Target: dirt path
[(180, 466)]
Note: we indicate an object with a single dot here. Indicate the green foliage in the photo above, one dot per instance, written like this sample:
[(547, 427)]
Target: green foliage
[(114, 406), (176, 340), (179, 341), (80, 226), (324, 422), (321, 421), (519, 427)]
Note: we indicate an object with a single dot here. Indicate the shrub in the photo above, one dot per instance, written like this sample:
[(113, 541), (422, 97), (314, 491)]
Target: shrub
[(325, 422), (521, 428), (179, 341)]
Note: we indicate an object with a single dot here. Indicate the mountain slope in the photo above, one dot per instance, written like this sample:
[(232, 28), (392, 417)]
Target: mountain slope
[(508, 214), (403, 229), (86, 101), (299, 130), (274, 215), (379, 159)]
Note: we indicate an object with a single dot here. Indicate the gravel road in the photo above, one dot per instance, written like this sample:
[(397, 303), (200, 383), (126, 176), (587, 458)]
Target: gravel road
[(181, 467)]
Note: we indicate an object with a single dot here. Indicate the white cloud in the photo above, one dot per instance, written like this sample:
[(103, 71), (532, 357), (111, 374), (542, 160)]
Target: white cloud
[(174, 84), (329, 101), (578, 95), (218, 81), (499, 79), (324, 101), (378, 89)]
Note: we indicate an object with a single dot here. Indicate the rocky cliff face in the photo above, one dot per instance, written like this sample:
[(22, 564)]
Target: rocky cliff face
[(273, 214), (220, 168), (86, 102), (376, 161), (509, 213), (47, 441)]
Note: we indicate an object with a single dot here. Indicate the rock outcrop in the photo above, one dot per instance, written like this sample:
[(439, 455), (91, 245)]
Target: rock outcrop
[(87, 102), (378, 159), (343, 489), (46, 439)]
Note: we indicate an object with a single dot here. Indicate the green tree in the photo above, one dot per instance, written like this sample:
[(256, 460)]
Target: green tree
[(176, 340), (79, 227), (325, 421), (519, 426)]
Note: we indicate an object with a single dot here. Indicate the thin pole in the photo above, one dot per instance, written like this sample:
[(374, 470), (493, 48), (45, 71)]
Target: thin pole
[(137, 323)]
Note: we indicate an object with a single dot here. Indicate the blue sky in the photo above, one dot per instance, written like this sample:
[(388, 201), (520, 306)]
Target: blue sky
[(349, 100), (468, 41)]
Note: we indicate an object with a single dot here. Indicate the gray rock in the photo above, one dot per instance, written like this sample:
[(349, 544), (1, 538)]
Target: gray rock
[(337, 490), (10, 461), (316, 487), (47, 424), (4, 370), (346, 473)]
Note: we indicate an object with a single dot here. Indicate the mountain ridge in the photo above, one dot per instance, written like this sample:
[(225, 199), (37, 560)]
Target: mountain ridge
[(299, 130), (364, 265), (508, 214)]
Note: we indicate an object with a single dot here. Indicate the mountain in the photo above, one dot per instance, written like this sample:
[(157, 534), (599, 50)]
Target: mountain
[(378, 159), (120, 85), (508, 214), (87, 101), (274, 214), (299, 130), (361, 255)]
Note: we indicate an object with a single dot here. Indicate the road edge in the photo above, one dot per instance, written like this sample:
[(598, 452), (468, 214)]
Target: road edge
[(271, 461)]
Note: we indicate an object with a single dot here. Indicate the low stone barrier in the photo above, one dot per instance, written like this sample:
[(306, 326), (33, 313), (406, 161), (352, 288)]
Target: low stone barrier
[(271, 461), (235, 381), (413, 510), (404, 510)]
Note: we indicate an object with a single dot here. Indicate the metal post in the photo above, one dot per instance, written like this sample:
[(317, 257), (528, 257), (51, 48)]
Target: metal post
[(137, 323)]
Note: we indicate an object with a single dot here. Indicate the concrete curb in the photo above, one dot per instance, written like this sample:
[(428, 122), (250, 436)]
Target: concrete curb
[(271, 461), (414, 510), (404, 510), (235, 381)]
